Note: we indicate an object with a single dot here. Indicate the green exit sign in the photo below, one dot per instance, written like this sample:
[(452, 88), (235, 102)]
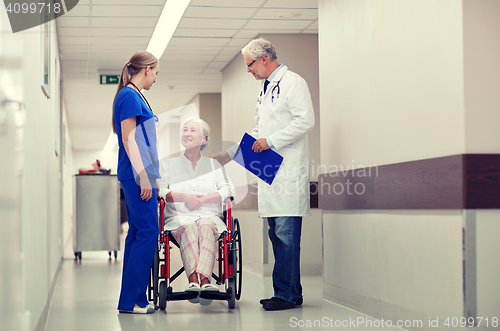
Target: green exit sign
[(110, 79)]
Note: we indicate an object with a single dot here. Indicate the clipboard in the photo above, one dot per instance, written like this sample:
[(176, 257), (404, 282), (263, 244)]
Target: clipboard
[(264, 165)]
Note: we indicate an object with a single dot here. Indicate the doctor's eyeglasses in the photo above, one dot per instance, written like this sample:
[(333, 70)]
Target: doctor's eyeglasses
[(249, 65)]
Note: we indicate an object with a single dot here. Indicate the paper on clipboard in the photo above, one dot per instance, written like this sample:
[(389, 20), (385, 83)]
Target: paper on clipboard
[(264, 165)]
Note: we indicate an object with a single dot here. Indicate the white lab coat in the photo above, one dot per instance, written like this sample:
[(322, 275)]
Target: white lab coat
[(286, 118)]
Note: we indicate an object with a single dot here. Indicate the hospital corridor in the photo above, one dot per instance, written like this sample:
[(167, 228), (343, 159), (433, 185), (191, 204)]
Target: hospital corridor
[(85, 299), (249, 165)]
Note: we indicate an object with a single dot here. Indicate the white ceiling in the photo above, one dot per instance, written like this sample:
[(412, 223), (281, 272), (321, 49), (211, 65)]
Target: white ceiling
[(99, 36)]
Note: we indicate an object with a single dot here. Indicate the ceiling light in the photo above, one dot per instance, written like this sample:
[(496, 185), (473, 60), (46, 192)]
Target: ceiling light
[(165, 27), (289, 15), (167, 24)]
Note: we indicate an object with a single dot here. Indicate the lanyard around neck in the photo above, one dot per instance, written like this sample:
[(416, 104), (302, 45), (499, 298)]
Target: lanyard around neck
[(142, 95), (147, 103)]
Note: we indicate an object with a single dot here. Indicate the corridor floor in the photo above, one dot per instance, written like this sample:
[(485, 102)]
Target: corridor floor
[(86, 295)]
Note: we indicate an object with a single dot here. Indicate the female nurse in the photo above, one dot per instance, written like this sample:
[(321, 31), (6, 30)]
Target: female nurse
[(138, 173)]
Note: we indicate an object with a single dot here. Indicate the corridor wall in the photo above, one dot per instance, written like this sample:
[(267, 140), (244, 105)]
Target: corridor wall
[(400, 82), (40, 155)]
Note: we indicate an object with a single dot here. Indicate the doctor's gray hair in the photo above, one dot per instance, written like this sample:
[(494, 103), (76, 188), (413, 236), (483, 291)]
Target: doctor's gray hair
[(204, 127), (258, 47)]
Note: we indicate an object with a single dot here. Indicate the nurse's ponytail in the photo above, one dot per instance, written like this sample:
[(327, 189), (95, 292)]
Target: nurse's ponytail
[(137, 62)]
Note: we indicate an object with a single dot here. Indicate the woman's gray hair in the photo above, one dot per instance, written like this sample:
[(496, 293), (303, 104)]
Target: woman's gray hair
[(258, 47), (204, 127)]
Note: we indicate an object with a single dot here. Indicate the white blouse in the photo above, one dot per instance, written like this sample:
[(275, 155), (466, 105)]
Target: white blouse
[(207, 177)]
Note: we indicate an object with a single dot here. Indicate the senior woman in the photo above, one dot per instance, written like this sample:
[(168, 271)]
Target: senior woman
[(194, 186)]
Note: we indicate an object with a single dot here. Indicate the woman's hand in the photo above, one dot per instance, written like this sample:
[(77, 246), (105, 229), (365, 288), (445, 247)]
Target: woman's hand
[(222, 157), (193, 201), (146, 190)]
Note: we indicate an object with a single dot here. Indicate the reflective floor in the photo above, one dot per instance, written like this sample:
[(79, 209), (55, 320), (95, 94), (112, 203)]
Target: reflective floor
[(86, 297)]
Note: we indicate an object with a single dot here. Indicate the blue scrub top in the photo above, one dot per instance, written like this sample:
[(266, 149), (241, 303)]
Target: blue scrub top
[(129, 103)]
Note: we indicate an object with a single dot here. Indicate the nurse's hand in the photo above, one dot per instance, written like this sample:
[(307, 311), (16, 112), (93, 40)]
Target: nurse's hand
[(192, 201), (222, 157), (146, 190), (260, 145)]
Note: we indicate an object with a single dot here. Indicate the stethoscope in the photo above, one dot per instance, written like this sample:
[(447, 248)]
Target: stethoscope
[(275, 88), (147, 103)]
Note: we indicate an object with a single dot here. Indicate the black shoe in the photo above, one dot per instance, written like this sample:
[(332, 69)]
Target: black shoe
[(297, 303), (278, 304), (264, 301)]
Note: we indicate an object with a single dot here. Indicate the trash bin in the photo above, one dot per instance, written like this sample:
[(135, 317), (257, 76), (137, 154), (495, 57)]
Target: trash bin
[(97, 214)]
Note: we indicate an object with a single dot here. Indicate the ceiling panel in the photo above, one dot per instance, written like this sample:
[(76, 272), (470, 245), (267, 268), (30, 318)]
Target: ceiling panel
[(208, 23), (177, 70), (189, 57), (73, 21), (264, 25), (166, 64), (124, 48), (122, 22), (130, 41), (211, 71), (247, 34), (250, 34), (228, 3), (217, 12), (127, 2), (228, 33), (224, 57), (218, 65), (80, 10), (180, 41), (230, 50), (292, 3), (125, 31), (130, 11), (99, 38), (74, 69), (180, 51), (74, 63), (73, 56), (76, 49), (271, 13), (74, 40), (238, 42), (73, 32)]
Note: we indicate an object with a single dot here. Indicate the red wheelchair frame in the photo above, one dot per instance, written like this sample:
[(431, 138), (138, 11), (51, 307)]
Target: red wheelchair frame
[(230, 263)]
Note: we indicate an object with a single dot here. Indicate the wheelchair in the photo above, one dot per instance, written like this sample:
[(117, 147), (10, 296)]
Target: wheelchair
[(229, 269)]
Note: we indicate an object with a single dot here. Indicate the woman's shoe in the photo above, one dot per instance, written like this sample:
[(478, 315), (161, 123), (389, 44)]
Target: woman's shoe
[(194, 287), (139, 310), (208, 287)]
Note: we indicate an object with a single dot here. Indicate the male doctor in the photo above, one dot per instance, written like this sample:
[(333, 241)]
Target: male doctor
[(283, 117)]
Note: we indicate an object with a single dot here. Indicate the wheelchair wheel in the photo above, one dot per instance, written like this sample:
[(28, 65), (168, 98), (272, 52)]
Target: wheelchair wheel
[(163, 296), (156, 264), (237, 259), (232, 300)]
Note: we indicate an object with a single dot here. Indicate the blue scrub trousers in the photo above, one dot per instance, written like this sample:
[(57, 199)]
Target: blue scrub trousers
[(140, 245)]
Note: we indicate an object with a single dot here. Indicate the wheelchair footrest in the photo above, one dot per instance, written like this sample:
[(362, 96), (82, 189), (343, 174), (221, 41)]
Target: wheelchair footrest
[(216, 295), (175, 296)]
